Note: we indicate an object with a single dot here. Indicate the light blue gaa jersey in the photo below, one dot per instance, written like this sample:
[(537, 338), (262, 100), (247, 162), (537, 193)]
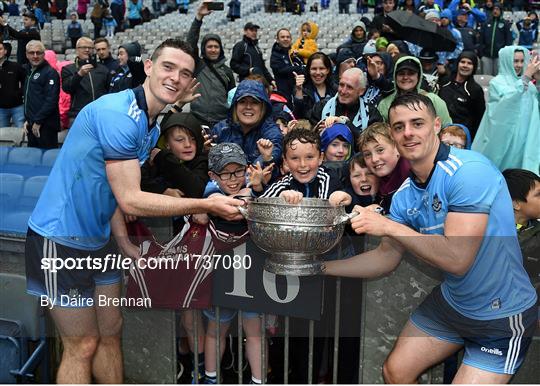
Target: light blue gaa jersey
[(496, 285), (77, 202)]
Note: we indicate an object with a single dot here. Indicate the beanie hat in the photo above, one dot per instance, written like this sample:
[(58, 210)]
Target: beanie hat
[(334, 131), (381, 42), (133, 49), (432, 14), (446, 14)]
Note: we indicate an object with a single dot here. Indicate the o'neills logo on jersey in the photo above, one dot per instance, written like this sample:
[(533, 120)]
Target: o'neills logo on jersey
[(494, 351)]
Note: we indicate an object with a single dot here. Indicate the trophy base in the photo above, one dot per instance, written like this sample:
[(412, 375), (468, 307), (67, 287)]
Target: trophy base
[(295, 265)]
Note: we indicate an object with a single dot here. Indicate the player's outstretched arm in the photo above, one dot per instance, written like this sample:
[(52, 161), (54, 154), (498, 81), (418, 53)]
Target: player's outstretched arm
[(455, 251), (377, 262), (125, 180)]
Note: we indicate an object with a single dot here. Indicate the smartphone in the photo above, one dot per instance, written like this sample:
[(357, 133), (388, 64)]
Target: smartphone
[(91, 60), (205, 130), (215, 6)]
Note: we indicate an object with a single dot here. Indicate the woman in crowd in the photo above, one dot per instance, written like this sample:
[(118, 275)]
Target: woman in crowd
[(250, 125), (314, 86)]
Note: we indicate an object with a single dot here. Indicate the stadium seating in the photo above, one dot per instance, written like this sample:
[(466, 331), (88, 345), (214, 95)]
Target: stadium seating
[(23, 173), (23, 345)]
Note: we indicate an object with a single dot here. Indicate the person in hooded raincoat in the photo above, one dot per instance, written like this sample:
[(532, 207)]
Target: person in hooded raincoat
[(408, 74), (306, 44), (215, 77), (509, 134), (250, 123)]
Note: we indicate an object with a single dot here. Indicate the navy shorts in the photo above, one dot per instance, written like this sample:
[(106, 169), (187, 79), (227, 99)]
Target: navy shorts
[(71, 285), (497, 345), (227, 314)]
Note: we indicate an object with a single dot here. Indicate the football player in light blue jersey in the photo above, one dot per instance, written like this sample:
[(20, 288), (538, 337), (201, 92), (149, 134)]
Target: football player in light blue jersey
[(93, 184), (455, 213)]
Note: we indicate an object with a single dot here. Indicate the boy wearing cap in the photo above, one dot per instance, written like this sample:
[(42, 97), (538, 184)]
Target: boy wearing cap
[(247, 58), (130, 71), (227, 167), (29, 32)]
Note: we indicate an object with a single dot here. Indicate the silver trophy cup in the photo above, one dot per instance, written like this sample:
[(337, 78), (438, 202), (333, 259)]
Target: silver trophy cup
[(295, 235)]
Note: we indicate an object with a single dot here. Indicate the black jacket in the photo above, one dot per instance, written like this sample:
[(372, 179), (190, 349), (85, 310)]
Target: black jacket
[(465, 102), (246, 54), (12, 77), (167, 171), (86, 89), (283, 68), (302, 107), (494, 35), (42, 90), (23, 37), (469, 36), (130, 76), (111, 63)]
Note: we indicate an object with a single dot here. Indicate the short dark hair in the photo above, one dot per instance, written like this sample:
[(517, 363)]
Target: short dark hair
[(520, 182), (282, 29), (174, 43), (413, 101), (326, 62), (357, 160), (303, 136), (102, 40)]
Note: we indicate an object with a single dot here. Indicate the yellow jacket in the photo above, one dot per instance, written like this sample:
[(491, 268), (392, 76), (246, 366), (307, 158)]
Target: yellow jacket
[(309, 47)]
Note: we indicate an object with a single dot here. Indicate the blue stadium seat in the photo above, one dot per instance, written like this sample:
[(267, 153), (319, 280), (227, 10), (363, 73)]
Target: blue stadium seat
[(24, 161), (25, 156), (10, 188), (31, 191), (23, 343), (4, 152), (15, 222), (10, 194), (49, 157)]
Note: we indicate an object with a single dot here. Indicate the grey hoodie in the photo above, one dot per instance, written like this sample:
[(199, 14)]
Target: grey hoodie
[(211, 107)]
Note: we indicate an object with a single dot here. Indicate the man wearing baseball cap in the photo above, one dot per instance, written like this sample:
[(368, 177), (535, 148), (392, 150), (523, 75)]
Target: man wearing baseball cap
[(29, 32), (247, 58)]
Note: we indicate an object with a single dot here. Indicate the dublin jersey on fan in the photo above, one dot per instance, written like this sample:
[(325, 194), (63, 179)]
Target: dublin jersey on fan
[(496, 285), (77, 202)]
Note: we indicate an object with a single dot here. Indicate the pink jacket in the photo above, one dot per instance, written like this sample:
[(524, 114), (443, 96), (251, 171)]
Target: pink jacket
[(65, 99)]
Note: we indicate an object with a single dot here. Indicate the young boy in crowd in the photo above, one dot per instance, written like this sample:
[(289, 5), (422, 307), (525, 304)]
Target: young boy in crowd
[(524, 188), (383, 160), (74, 30), (227, 168), (336, 142), (307, 177), (456, 135), (364, 184), (178, 167)]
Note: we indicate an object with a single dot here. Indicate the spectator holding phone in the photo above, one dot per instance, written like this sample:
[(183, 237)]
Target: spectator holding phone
[(85, 80), (215, 77)]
